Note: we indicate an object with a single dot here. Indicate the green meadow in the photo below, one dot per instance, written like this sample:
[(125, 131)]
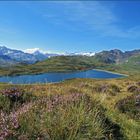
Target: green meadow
[(70, 70), (74, 109), (73, 63)]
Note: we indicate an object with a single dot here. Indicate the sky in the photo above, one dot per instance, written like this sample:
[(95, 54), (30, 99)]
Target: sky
[(70, 26)]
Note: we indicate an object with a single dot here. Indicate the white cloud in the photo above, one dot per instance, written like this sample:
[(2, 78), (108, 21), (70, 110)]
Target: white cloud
[(96, 16)]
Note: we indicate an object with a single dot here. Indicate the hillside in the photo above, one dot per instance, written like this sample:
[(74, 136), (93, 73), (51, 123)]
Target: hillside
[(130, 66), (114, 60), (68, 63), (29, 56), (6, 61), (55, 64), (19, 56), (74, 109), (115, 56)]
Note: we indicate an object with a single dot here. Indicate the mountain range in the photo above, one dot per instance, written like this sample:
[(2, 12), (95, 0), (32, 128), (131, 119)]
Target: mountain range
[(30, 56), (116, 56), (13, 57)]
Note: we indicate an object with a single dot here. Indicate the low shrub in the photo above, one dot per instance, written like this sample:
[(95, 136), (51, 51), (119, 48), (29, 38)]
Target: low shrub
[(101, 88), (133, 89), (115, 88), (13, 97), (108, 89), (70, 116), (138, 83), (130, 106), (14, 94)]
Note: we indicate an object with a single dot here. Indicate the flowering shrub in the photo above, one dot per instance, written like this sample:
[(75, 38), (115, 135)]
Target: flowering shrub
[(7, 124), (130, 106), (133, 89), (110, 89), (66, 116), (14, 94), (57, 116)]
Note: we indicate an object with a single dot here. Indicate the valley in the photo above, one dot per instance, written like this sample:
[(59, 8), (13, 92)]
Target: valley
[(113, 60), (74, 108), (70, 70)]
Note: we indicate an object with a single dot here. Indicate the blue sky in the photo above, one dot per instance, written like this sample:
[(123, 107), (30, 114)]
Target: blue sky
[(72, 26)]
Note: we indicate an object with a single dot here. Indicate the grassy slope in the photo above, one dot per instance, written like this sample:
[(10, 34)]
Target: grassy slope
[(129, 126), (55, 64), (130, 67), (74, 63)]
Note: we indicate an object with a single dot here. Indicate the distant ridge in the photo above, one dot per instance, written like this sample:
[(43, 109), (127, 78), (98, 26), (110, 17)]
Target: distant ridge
[(115, 56), (12, 57), (30, 56)]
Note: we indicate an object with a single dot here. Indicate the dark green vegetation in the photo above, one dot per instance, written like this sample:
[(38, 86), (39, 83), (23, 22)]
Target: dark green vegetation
[(75, 109)]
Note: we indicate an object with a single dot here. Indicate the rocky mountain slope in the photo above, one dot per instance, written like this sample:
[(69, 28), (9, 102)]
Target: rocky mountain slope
[(116, 56)]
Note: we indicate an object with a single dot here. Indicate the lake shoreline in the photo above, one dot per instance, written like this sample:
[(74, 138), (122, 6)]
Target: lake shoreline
[(110, 72), (59, 77)]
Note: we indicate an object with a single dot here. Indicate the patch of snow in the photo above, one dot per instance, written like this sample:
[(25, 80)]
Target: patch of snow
[(33, 50)]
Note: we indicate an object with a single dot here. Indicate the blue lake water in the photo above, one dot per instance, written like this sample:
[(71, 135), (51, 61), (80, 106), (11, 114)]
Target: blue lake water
[(58, 77)]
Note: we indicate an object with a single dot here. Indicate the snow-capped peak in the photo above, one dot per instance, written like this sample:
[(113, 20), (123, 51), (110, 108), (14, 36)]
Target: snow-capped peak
[(83, 53), (34, 50), (88, 53)]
